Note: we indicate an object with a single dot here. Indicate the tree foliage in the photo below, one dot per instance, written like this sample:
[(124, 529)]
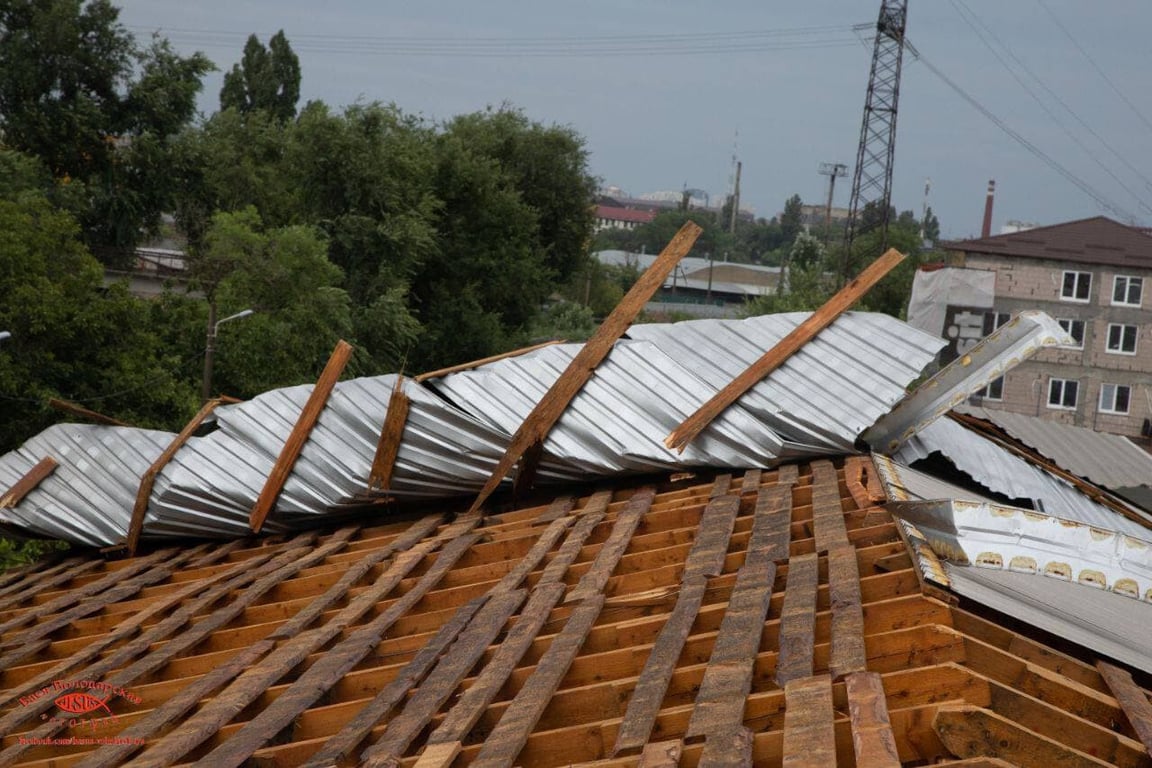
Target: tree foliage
[(265, 79)]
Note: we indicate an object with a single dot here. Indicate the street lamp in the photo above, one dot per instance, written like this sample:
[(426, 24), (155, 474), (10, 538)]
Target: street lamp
[(210, 347)]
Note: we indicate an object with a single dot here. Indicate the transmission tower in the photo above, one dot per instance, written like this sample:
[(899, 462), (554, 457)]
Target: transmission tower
[(872, 181)]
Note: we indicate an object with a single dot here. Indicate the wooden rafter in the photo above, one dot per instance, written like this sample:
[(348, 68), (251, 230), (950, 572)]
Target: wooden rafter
[(87, 414), (391, 434), (294, 445), (26, 484), (555, 401), (442, 372), (148, 480), (691, 427)]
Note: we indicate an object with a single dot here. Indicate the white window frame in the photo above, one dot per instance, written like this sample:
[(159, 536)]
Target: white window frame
[(986, 393), (1075, 285), (1066, 323), (1113, 390), (1063, 406), (1120, 349), (1128, 281)]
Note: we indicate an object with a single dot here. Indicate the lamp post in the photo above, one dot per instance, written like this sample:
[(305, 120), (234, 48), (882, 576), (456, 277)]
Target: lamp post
[(210, 347)]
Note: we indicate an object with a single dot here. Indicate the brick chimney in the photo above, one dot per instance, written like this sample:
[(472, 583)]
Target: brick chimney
[(986, 230)]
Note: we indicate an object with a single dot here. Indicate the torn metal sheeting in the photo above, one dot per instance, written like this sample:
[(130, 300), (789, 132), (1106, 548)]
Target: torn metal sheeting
[(1000, 471), (823, 396), (1110, 461), (1001, 537), (89, 498), (1011, 343), (903, 483), (618, 420), (1107, 623)]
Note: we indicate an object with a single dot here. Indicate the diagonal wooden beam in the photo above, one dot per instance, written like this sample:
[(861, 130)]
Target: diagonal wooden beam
[(785, 348), (552, 406), (26, 484), (294, 445), (390, 435), (148, 480), (1132, 700), (84, 413), (442, 372)]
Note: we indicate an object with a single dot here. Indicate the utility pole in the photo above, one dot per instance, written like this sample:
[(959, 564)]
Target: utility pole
[(924, 210), (833, 171), (210, 347), (735, 200)]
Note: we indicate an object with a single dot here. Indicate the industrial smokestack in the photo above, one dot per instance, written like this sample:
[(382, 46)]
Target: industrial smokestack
[(986, 230)]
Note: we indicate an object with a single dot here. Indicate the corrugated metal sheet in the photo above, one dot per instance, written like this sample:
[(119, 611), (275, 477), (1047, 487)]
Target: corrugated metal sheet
[(1111, 461), (1000, 471), (903, 483), (1109, 624), (828, 392), (618, 422), (89, 498)]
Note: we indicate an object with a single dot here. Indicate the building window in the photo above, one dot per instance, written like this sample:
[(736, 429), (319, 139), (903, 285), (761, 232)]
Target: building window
[(1077, 286), (1114, 398), (993, 320), (994, 390), (1121, 339), (1062, 393), (1075, 329), (1127, 290)]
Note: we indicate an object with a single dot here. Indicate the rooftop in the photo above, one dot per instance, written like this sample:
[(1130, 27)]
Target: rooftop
[(1098, 240)]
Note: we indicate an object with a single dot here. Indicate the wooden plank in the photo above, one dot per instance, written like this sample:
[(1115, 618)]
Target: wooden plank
[(710, 549), (391, 435), (439, 755), (560, 506), (80, 411), (442, 681), (648, 696), (727, 749), (612, 550), (214, 714), (442, 372), (727, 680), (809, 733), (555, 401), (503, 744), (340, 746), (331, 667), (721, 486), (847, 613), (774, 506), (872, 737), (588, 518), (661, 754), (750, 483), (472, 703), (788, 475), (1132, 699), (294, 445), (148, 479), (969, 732), (26, 484), (827, 512), (798, 620), (784, 349)]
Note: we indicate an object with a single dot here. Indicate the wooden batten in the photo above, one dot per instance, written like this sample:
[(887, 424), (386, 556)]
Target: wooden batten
[(391, 435), (294, 445), (79, 411), (784, 349), (26, 484), (148, 480), (1132, 700), (555, 401)]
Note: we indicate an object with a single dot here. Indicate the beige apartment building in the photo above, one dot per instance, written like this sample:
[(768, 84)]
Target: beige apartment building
[(1095, 277)]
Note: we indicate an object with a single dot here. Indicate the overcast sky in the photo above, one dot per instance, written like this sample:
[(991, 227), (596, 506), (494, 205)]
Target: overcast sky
[(665, 93)]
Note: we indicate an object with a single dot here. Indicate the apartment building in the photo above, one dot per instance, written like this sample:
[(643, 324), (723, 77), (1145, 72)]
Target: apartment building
[(1095, 277)]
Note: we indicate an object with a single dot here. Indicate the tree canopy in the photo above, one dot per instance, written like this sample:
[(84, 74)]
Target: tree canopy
[(266, 78)]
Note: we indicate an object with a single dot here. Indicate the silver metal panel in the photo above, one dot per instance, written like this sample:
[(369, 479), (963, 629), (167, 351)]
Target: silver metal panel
[(827, 393), (619, 420), (1110, 461), (1106, 623), (1001, 350), (89, 498), (903, 483), (1002, 472)]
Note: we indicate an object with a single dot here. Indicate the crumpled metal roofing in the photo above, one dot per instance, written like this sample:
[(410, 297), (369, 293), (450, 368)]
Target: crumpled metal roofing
[(1002, 472), (1110, 461), (89, 498)]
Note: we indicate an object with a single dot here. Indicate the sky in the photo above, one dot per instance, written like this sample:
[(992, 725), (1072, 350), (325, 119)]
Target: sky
[(1052, 102)]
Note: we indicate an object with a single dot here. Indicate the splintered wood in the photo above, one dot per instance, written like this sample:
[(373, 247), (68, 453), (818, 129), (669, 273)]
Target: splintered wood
[(745, 620)]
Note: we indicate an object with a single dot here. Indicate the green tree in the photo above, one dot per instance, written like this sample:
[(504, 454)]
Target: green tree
[(931, 226), (790, 220), (266, 78), (77, 92)]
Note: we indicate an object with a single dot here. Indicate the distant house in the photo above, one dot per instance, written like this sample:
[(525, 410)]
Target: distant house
[(1094, 276), (614, 217)]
